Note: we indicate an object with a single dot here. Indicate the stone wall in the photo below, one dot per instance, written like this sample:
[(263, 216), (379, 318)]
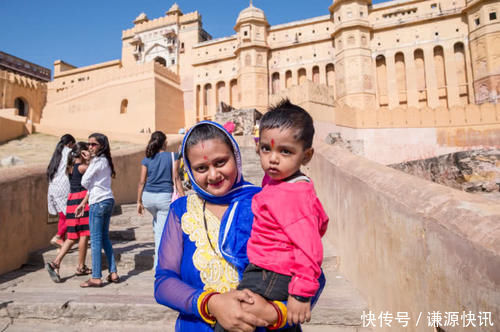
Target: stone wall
[(24, 224), (11, 125), (409, 245), (395, 145)]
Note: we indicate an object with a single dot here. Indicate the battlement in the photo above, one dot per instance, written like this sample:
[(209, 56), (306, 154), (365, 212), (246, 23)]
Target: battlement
[(160, 22), (21, 80)]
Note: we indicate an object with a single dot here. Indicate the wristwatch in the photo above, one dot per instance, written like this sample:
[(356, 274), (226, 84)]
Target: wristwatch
[(301, 298)]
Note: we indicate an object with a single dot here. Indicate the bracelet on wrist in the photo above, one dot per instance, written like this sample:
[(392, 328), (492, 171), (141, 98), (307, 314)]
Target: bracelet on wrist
[(303, 299), (203, 307), (282, 315)]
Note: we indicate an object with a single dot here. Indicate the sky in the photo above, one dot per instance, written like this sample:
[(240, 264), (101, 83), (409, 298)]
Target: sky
[(87, 32)]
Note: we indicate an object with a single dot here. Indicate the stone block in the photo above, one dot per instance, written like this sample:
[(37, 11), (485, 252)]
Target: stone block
[(413, 117), (427, 117), (384, 118), (488, 113)]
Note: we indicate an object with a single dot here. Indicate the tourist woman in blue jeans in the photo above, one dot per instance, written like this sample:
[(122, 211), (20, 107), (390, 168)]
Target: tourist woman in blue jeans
[(158, 181), (97, 180)]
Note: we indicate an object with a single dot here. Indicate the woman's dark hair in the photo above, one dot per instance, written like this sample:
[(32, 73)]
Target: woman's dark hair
[(104, 149), (287, 115), (155, 144), (205, 132), (76, 151), (57, 155)]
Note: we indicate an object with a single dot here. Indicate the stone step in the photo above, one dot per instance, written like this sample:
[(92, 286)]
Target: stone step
[(69, 325), (28, 296), (137, 255)]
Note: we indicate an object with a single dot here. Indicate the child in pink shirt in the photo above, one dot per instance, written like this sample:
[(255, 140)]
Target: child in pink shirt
[(285, 249)]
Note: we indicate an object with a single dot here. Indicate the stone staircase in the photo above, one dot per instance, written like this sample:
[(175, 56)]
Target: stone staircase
[(30, 301)]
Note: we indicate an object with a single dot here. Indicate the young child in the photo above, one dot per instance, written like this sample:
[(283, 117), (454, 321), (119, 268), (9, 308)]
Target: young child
[(78, 227), (285, 249)]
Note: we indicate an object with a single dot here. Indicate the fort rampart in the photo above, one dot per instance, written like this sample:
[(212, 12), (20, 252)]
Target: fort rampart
[(407, 244)]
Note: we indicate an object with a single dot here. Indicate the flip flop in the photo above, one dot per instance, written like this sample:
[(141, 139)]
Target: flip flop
[(51, 268), (90, 283), (83, 271), (116, 280)]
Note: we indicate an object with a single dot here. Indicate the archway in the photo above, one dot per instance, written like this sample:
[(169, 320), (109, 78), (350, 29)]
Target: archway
[(161, 61), (22, 106)]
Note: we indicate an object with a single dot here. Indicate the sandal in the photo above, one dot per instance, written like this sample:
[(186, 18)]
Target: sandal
[(83, 271), (53, 268), (115, 280), (90, 283)]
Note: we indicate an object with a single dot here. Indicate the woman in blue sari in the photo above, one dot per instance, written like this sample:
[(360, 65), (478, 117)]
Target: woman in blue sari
[(202, 252)]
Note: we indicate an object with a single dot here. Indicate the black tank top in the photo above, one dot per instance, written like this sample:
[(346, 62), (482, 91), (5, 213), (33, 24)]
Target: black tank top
[(75, 180)]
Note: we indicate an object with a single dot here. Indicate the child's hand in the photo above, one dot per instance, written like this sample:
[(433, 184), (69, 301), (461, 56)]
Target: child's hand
[(85, 155), (298, 312)]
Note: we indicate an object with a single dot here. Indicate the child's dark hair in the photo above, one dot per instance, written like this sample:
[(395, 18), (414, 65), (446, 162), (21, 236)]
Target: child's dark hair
[(57, 155), (287, 115), (205, 132), (155, 144), (105, 150), (76, 152)]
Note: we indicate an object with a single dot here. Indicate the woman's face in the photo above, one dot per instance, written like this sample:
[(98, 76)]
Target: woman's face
[(213, 166), (94, 146)]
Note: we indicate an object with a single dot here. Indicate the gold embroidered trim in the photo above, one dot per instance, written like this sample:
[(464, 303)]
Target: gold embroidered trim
[(215, 272)]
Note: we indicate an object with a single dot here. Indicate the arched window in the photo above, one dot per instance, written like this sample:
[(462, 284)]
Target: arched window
[(330, 74), (461, 69), (288, 79), (161, 61), (275, 83), (439, 67), (401, 77), (22, 106), (316, 74), (221, 88), (419, 59), (123, 106), (382, 80), (233, 92), (302, 76)]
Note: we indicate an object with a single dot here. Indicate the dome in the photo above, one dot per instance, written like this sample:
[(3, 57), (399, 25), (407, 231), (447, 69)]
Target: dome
[(174, 10), (141, 18), (250, 13)]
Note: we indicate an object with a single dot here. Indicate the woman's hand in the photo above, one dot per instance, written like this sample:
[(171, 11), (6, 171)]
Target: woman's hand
[(79, 210), (140, 208), (227, 310), (260, 308)]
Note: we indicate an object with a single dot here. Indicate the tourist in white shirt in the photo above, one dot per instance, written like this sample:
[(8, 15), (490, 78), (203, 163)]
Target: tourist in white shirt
[(97, 180), (57, 194)]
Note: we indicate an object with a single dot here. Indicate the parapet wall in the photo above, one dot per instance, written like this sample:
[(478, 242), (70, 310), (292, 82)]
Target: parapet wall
[(23, 204), (412, 117), (11, 125), (407, 244)]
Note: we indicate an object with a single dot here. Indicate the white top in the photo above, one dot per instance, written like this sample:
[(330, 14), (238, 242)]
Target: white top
[(57, 196), (97, 180)]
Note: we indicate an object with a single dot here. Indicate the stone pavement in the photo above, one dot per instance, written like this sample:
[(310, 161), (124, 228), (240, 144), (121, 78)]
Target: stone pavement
[(30, 301)]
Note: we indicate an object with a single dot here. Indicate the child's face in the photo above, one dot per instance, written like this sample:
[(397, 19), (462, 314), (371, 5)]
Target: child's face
[(213, 165), (281, 155)]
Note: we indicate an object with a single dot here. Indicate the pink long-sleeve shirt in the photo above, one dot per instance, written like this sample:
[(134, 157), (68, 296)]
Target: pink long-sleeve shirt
[(286, 233)]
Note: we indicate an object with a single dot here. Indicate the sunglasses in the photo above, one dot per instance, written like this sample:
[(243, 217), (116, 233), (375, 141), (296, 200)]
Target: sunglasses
[(93, 144)]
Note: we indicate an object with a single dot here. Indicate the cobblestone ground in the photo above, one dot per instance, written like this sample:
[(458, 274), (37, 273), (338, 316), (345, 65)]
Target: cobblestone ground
[(38, 148)]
